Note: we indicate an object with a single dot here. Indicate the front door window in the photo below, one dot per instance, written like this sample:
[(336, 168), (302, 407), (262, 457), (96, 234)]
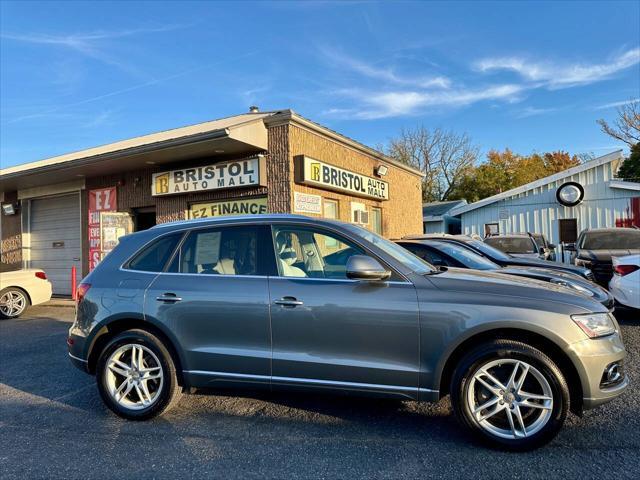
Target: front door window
[(302, 252)]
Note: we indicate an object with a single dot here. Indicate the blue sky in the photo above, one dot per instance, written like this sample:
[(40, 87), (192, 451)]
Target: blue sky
[(528, 76)]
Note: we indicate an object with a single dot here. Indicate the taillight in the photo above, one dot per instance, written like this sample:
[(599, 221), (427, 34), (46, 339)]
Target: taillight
[(623, 270), (41, 275), (81, 291)]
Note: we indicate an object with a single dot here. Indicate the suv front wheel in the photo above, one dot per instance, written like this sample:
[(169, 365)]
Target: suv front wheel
[(136, 376), (510, 395)]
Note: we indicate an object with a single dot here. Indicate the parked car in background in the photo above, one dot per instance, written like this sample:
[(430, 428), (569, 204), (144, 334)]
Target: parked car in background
[(594, 249), (504, 259), (251, 301), (517, 245), (446, 254), (625, 283), (21, 288), (547, 248)]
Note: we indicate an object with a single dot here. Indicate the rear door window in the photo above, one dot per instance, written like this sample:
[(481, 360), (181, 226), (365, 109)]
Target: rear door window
[(155, 256), (223, 251)]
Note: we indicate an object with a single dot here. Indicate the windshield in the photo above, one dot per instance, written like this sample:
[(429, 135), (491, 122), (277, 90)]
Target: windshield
[(512, 244), (489, 251), (403, 256), (611, 240), (468, 258)]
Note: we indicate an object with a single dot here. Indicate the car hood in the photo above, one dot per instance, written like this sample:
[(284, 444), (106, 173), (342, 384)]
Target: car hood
[(605, 255), (532, 262), (494, 283), (548, 275)]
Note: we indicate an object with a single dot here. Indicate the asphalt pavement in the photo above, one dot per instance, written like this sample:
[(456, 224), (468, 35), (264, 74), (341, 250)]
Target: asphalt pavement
[(53, 424)]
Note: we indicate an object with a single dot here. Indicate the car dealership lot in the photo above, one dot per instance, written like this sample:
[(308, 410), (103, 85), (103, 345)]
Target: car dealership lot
[(53, 424)]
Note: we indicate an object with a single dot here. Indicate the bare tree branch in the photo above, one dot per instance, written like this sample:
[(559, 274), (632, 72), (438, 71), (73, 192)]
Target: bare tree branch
[(626, 127), (443, 156)]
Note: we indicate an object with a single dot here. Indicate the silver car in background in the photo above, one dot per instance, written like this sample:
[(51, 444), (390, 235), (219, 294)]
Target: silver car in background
[(287, 302)]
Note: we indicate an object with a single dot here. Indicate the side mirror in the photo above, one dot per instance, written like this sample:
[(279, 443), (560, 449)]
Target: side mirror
[(551, 246), (363, 267)]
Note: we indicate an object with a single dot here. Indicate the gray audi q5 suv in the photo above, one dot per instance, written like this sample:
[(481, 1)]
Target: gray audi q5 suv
[(290, 302)]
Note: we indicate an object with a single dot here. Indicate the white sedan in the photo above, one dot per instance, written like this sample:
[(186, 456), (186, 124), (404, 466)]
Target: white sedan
[(625, 284), (22, 288)]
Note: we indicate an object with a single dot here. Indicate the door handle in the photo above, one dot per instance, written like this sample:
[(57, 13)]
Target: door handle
[(168, 297), (288, 302)]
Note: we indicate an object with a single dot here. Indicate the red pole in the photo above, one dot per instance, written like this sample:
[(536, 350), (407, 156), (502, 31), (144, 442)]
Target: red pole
[(73, 283)]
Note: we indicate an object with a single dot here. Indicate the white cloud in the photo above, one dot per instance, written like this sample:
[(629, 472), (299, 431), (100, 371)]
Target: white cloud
[(557, 76), (534, 111), (616, 104), (88, 44), (375, 105), (385, 74)]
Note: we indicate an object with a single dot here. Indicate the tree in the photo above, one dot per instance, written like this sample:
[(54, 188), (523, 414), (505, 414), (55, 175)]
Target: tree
[(502, 171), (630, 168), (443, 156), (626, 127)]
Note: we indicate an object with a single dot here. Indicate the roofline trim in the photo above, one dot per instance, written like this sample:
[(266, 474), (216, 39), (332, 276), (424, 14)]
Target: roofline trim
[(624, 185), (138, 149), (289, 116), (596, 162)]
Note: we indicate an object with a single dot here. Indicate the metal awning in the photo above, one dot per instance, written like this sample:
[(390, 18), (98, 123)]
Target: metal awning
[(241, 135)]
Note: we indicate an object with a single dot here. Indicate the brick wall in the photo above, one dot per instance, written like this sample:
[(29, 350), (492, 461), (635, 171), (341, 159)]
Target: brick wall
[(401, 214)]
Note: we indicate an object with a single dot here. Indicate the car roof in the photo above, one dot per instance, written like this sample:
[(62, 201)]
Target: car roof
[(437, 236), (246, 219), (509, 235), (610, 229)]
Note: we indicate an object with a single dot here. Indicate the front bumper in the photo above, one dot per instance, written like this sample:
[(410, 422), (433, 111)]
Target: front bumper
[(591, 358)]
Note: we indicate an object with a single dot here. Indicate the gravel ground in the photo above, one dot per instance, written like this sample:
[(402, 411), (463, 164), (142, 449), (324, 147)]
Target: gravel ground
[(53, 424)]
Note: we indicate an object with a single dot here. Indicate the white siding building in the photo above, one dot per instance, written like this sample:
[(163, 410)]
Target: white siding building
[(535, 207)]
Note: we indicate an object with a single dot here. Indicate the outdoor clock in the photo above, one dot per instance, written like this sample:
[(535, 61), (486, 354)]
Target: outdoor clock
[(570, 194)]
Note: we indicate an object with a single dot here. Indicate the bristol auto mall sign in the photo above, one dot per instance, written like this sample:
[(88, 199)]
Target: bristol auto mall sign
[(217, 176), (100, 200)]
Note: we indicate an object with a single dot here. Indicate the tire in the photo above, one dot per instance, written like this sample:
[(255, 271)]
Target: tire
[(130, 388), (9, 306), (504, 360)]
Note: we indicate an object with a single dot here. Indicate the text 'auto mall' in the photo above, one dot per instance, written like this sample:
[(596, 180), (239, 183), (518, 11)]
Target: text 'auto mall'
[(69, 211)]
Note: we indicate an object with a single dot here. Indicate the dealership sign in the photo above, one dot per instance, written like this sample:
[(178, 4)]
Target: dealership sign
[(307, 203), (100, 200), (324, 175), (235, 174), (249, 206)]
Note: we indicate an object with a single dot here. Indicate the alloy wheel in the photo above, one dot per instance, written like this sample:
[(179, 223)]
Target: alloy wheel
[(12, 303), (134, 376), (510, 398)]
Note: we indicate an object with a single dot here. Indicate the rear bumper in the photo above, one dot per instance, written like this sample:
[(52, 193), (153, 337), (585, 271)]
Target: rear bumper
[(42, 293), (79, 363)]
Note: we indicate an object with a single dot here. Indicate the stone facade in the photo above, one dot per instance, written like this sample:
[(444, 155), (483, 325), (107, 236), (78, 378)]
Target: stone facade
[(401, 214)]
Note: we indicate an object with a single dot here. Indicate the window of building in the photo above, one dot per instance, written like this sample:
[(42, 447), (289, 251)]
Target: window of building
[(376, 220), (491, 229), (304, 252), (154, 257), (223, 251), (331, 209)]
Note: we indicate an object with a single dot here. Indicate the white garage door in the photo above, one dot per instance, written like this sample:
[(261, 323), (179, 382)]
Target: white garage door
[(55, 239)]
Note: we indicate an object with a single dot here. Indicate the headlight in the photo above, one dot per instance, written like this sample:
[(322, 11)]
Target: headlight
[(573, 286), (595, 324)]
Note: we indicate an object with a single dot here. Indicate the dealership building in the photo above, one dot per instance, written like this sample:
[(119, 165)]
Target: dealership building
[(69, 211), (559, 206)]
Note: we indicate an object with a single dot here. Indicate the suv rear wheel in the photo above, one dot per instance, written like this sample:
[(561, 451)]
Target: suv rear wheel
[(136, 376), (510, 395)]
